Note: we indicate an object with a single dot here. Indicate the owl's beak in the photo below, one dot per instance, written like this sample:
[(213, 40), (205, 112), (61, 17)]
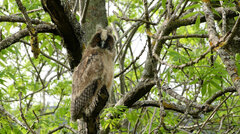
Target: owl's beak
[(102, 43)]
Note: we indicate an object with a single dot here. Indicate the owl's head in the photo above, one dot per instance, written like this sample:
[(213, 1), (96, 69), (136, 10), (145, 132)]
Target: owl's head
[(103, 38)]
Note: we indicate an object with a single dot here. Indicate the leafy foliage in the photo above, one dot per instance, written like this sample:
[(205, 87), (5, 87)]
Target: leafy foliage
[(45, 82)]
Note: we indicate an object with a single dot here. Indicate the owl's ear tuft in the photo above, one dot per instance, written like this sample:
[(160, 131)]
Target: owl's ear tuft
[(109, 29), (98, 28)]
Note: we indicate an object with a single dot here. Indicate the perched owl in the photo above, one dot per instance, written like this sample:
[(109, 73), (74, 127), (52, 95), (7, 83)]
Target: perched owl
[(93, 77)]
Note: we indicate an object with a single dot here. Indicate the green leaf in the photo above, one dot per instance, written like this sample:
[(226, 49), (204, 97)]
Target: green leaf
[(216, 85), (50, 49), (58, 46), (197, 23), (2, 64), (164, 3), (193, 82), (204, 88), (192, 6), (168, 75), (215, 12), (11, 75), (189, 15), (5, 4)]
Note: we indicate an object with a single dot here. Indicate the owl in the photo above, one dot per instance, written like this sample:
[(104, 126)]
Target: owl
[(93, 77)]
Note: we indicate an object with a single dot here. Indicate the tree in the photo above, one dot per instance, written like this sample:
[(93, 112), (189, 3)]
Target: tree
[(187, 82)]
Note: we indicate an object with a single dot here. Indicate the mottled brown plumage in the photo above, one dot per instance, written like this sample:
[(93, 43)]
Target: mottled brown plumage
[(92, 75)]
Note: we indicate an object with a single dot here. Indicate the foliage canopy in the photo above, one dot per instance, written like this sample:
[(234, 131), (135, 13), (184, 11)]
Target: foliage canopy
[(177, 69)]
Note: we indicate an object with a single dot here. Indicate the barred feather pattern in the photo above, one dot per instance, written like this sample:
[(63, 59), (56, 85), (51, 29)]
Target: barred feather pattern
[(93, 77), (81, 102)]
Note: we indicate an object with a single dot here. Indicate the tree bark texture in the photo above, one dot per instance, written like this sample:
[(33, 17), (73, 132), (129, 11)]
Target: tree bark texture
[(95, 15), (72, 34), (69, 29)]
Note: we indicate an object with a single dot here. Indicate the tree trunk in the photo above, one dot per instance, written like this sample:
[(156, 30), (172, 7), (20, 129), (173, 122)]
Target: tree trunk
[(95, 14), (72, 34)]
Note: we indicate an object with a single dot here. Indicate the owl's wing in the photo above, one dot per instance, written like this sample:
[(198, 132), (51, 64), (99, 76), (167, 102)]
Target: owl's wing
[(86, 80)]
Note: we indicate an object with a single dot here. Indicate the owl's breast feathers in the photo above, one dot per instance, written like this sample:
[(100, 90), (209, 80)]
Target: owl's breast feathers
[(93, 73)]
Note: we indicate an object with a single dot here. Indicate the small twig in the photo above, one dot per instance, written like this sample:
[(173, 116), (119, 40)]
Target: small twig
[(35, 115), (182, 10), (49, 57), (50, 80), (221, 123), (129, 38), (38, 73), (31, 11), (186, 64), (56, 106), (0, 34), (130, 63), (84, 13), (76, 6), (136, 20), (58, 62), (234, 30), (182, 36), (12, 117), (61, 127), (137, 122), (213, 113), (25, 15), (22, 115), (119, 8), (151, 122)]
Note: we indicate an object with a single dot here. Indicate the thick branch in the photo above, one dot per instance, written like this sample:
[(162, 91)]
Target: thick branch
[(220, 93), (215, 41), (69, 29), (14, 18), (181, 98), (42, 28), (138, 92), (167, 106)]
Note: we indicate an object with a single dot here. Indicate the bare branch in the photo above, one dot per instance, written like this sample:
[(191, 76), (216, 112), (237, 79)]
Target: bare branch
[(41, 28), (84, 13), (12, 117), (31, 11), (213, 113), (49, 57), (26, 17), (56, 106), (14, 18), (220, 93), (136, 20), (61, 127), (130, 63), (22, 115)]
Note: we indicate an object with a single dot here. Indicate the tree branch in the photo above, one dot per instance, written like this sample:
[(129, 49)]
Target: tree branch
[(69, 29), (22, 115), (61, 127), (14, 18), (220, 93), (167, 106), (12, 117), (41, 28), (138, 92)]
